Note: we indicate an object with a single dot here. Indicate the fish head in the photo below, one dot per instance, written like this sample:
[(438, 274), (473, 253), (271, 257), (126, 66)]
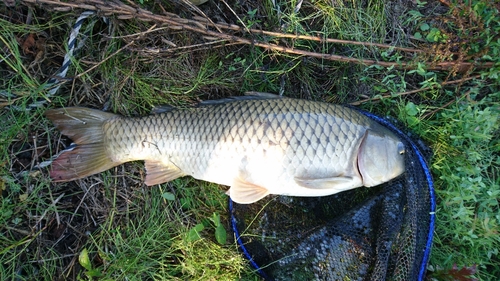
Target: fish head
[(380, 157)]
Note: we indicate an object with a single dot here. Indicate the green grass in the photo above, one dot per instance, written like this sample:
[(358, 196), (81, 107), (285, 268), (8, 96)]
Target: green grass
[(468, 212), (112, 226), (151, 243)]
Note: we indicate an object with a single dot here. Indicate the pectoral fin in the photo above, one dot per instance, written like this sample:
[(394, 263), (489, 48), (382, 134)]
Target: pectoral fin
[(339, 182), (157, 172), (243, 192)]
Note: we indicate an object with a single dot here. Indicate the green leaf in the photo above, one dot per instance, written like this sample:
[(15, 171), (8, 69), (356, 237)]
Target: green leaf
[(6, 214), (94, 273), (412, 120), (84, 260), (168, 196), (424, 27), (216, 219), (220, 234), (380, 89), (415, 13), (411, 109), (435, 35), (194, 233), (23, 197)]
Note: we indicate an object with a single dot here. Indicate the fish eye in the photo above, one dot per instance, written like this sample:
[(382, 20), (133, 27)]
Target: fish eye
[(401, 148)]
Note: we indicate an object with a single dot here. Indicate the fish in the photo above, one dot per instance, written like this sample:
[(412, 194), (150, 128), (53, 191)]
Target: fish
[(256, 146)]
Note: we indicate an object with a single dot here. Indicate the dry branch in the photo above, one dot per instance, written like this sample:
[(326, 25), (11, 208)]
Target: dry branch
[(203, 26), (459, 81)]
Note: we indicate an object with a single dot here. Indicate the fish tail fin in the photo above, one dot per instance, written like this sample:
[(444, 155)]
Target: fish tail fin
[(85, 127)]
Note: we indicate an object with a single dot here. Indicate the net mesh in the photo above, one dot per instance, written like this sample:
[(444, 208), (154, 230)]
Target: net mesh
[(377, 233)]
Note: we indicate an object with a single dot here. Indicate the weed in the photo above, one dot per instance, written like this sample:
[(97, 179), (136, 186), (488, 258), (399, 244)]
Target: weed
[(468, 192)]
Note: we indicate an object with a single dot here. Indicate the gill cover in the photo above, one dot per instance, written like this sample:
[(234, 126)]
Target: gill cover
[(380, 157)]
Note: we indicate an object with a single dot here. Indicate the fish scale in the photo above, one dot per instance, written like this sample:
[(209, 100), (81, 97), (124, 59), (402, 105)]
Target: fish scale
[(255, 146)]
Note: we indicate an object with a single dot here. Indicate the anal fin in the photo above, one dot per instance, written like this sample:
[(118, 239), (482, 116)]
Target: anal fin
[(158, 172), (243, 192)]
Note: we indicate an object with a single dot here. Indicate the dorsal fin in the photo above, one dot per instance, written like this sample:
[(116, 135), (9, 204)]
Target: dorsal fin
[(162, 108), (262, 95), (247, 96)]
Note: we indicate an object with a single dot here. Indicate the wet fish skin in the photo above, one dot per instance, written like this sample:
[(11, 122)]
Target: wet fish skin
[(257, 146)]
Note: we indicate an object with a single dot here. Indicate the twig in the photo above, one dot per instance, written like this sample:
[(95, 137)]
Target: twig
[(312, 38), (445, 2), (415, 91), (116, 52), (47, 209), (194, 7), (87, 190), (53, 259), (23, 232), (427, 115), (389, 95), (194, 47), (232, 11), (104, 60), (122, 11)]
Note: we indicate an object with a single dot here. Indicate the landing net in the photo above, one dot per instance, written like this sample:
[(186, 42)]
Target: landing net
[(378, 233)]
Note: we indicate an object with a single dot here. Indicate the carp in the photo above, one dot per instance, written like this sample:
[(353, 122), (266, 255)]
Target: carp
[(256, 146)]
